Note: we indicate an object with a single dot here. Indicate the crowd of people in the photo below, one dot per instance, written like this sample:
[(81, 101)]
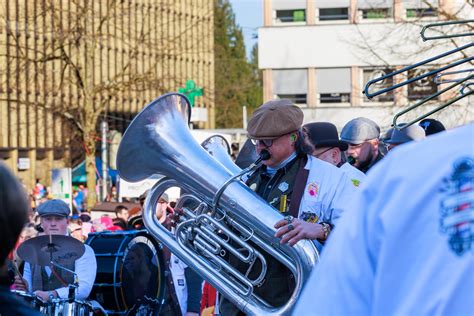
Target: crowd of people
[(394, 230)]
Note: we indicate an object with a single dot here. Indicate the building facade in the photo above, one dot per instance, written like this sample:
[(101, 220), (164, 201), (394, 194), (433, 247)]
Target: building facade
[(321, 53), (65, 65)]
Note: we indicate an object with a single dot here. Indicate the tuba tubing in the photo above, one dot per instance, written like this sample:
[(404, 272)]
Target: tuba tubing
[(158, 141)]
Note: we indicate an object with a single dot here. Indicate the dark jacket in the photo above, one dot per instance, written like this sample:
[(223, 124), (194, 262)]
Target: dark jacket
[(279, 282)]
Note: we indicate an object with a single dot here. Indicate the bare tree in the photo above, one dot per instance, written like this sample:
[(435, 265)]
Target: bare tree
[(103, 54)]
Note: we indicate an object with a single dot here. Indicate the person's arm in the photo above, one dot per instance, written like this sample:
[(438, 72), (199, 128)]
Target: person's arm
[(193, 283), (86, 268)]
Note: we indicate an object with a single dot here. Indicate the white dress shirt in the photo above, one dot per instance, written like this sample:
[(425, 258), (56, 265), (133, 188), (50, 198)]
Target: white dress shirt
[(86, 269), (355, 175), (407, 246), (328, 192)]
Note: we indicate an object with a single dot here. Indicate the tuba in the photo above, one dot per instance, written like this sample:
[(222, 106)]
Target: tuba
[(218, 147), (221, 216)]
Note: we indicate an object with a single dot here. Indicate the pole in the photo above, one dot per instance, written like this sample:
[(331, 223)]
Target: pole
[(104, 127), (244, 117)]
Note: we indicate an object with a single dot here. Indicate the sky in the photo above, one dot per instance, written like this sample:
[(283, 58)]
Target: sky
[(249, 15)]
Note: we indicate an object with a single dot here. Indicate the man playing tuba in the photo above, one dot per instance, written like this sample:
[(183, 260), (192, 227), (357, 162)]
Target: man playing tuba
[(311, 193)]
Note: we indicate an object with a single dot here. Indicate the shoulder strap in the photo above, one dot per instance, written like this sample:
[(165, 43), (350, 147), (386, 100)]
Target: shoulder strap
[(298, 189)]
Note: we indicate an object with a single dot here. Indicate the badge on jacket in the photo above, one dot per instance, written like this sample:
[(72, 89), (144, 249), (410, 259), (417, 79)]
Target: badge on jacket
[(283, 186)]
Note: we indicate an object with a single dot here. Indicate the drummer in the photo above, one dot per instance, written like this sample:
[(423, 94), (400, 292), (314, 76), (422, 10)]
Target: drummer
[(52, 282)]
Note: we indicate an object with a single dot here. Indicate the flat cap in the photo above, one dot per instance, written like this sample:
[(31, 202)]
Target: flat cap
[(359, 130), (164, 197), (274, 119), (408, 134), (53, 207)]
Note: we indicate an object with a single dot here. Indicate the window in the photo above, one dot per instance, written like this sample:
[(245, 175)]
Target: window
[(295, 98), (291, 84), (423, 88), (375, 9), (422, 13), (333, 14), (381, 13), (370, 74), (285, 16), (333, 85)]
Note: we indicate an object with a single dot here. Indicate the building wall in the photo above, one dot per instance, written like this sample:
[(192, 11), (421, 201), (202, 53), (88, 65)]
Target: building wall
[(39, 96), (323, 65)]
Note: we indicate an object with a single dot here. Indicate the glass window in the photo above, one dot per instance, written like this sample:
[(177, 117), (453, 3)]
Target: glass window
[(422, 13), (285, 16), (334, 97), (423, 88), (370, 74), (333, 85), (380, 13), (295, 98), (333, 14)]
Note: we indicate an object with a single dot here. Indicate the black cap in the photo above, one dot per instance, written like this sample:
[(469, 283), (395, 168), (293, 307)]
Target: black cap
[(431, 126), (324, 134)]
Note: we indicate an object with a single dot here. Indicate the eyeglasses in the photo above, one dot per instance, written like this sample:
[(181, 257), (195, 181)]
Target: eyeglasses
[(265, 142), (320, 154)]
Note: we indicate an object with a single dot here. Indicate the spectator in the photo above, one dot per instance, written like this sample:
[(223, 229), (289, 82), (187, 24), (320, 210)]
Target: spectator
[(431, 126), (408, 134)]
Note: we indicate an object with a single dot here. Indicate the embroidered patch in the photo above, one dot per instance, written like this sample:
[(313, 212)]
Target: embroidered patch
[(309, 217), (313, 189), (457, 211), (355, 182), (180, 282), (283, 186)]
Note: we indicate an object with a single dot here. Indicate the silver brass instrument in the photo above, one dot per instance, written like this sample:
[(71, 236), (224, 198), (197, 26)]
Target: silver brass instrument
[(218, 213), (218, 147)]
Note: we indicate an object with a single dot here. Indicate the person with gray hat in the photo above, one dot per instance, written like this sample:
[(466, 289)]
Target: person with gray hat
[(411, 133), (362, 135), (309, 192), (52, 282), (325, 144)]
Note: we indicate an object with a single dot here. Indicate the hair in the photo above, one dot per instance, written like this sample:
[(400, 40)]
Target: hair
[(13, 211), (119, 209), (301, 147)]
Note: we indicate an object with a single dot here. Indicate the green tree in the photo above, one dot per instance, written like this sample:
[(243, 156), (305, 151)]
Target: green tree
[(235, 82)]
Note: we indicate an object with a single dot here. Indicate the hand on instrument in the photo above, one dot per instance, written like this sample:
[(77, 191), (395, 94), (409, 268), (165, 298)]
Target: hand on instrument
[(45, 295), (21, 284), (294, 229)]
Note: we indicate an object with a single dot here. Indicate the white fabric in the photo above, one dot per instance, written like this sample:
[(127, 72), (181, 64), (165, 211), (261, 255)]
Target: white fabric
[(327, 194), (179, 280), (355, 175), (86, 269), (390, 255)]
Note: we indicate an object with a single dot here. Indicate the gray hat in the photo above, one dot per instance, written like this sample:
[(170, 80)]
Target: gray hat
[(359, 130), (412, 132), (53, 207), (164, 197), (274, 119)]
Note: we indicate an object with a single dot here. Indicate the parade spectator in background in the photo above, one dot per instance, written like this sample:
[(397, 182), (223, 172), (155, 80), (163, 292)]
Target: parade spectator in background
[(431, 126), (121, 216), (408, 134), (362, 135)]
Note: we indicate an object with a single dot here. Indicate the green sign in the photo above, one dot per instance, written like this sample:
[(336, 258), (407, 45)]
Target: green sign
[(191, 91)]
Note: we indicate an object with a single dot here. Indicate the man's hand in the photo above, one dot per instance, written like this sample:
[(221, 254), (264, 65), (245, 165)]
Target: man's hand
[(301, 230), (21, 284), (44, 295)]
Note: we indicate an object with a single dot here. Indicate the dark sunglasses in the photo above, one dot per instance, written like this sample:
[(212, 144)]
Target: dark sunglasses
[(266, 142)]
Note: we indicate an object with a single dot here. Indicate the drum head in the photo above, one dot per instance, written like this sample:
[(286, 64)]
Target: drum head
[(130, 270)]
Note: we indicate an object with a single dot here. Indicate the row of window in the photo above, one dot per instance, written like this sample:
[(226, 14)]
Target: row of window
[(334, 85), (342, 14)]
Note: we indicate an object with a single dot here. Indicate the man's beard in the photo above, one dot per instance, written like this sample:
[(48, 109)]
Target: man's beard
[(366, 163)]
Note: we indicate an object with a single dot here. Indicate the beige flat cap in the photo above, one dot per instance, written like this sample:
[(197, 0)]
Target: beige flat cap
[(274, 119)]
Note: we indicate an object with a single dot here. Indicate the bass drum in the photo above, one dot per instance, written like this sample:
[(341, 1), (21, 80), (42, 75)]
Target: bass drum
[(130, 271)]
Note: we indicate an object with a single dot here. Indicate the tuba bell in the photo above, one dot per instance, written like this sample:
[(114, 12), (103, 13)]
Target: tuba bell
[(219, 148), (221, 217)]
